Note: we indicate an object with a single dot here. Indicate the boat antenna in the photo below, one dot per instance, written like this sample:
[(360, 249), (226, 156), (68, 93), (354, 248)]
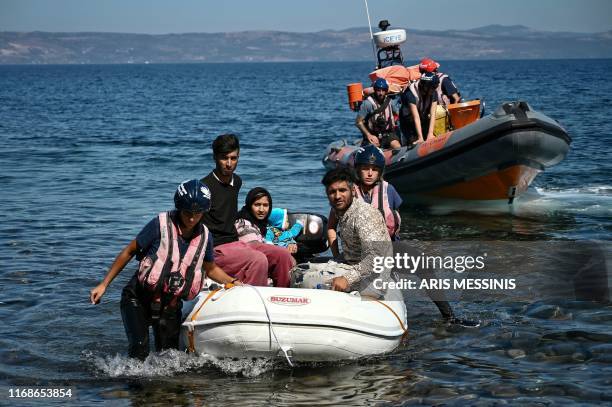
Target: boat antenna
[(371, 35)]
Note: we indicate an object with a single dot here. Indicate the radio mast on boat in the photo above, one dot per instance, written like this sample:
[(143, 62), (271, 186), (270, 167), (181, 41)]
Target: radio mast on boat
[(371, 34), (385, 43)]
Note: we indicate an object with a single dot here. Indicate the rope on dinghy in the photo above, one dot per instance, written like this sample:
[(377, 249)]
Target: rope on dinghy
[(191, 346), (401, 323), (283, 348)]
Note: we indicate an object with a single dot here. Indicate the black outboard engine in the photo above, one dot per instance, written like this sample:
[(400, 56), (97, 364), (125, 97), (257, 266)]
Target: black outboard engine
[(313, 239)]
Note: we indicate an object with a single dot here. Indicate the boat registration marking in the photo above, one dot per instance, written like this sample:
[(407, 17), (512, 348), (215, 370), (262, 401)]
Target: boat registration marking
[(436, 144)]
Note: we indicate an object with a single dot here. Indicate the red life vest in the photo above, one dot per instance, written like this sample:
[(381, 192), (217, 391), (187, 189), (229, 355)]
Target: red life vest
[(166, 273), (387, 114), (380, 200)]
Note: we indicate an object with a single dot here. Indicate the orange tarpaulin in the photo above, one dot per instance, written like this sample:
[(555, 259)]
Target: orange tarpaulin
[(398, 76)]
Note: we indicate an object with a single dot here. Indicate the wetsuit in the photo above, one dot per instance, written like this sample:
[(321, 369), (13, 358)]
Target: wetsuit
[(139, 310)]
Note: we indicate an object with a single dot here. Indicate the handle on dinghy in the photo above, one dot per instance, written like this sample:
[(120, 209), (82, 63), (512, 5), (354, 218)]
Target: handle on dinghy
[(194, 316)]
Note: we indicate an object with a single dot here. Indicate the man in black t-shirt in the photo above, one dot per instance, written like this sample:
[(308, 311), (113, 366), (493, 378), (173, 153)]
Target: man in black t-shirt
[(447, 90), (252, 262), (418, 112)]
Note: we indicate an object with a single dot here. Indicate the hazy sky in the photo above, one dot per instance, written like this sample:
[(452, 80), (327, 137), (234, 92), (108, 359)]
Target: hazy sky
[(179, 16)]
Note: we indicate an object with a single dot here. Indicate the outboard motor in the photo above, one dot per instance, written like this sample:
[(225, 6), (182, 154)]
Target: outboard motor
[(388, 42), (313, 239)]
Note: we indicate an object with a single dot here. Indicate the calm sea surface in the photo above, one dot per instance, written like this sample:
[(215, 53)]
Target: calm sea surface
[(88, 154)]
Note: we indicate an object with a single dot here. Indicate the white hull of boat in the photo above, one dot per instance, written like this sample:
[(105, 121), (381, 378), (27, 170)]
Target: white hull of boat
[(310, 325)]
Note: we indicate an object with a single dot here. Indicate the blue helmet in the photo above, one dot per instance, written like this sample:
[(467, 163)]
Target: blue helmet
[(429, 80), (370, 155), (381, 83), (192, 196)]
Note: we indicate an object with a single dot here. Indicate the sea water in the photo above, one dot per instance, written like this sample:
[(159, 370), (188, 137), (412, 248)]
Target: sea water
[(88, 154)]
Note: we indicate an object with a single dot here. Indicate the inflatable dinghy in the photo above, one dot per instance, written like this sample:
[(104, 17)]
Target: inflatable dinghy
[(299, 324)]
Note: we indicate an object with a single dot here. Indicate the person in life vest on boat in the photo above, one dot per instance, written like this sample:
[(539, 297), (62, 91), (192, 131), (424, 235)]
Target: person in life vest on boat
[(364, 237), (419, 102), (176, 254), (373, 189), (375, 119), (447, 91)]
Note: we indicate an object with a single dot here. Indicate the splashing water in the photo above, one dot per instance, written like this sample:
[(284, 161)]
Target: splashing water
[(173, 362)]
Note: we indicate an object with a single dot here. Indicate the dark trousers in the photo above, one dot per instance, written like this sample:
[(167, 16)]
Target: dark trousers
[(137, 316), (385, 140), (409, 132)]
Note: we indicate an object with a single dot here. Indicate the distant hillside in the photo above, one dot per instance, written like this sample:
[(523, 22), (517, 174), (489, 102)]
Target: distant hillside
[(490, 42)]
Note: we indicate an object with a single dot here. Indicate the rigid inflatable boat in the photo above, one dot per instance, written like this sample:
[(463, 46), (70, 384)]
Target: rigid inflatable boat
[(472, 157), (493, 158), (298, 324)]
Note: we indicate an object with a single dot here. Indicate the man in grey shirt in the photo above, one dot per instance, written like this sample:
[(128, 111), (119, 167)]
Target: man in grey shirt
[(375, 119), (363, 234)]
